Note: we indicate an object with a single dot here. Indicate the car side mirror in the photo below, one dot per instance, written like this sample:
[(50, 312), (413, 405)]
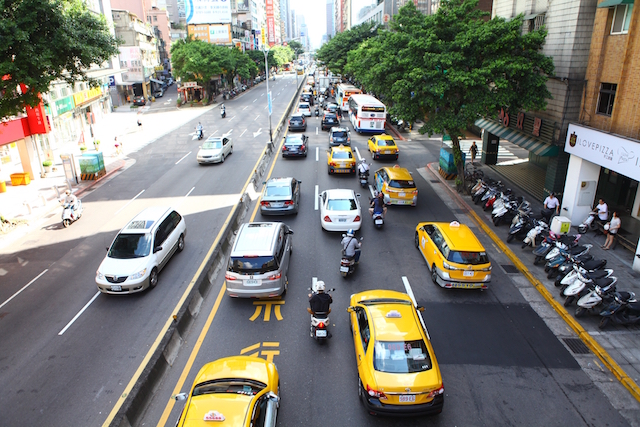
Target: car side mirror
[(180, 396), (357, 194), (420, 308), (157, 249), (351, 309)]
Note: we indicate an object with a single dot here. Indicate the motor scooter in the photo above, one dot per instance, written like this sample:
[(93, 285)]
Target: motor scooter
[(223, 112), (589, 223), (578, 288), (318, 329), (534, 236), (597, 299), (348, 265), (199, 133), (69, 215), (621, 311), (573, 264)]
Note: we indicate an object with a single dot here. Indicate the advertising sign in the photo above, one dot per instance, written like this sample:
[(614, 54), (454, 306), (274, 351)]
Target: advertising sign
[(271, 26), (131, 60), (207, 11), (609, 151), (38, 123), (220, 33)]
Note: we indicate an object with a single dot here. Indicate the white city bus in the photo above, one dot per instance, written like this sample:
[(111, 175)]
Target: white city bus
[(367, 114), (343, 92)]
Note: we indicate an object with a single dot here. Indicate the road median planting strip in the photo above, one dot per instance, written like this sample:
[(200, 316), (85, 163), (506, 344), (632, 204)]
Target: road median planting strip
[(590, 342)]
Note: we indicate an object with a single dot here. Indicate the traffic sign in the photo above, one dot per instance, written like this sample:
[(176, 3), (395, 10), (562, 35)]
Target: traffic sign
[(269, 100)]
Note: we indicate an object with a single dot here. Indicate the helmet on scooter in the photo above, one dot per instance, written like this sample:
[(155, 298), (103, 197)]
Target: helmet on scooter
[(351, 233), (320, 286)]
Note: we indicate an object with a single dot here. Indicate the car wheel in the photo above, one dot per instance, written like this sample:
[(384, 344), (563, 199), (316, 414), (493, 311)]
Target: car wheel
[(434, 274), (222, 161), (286, 286), (181, 243), (153, 278), (417, 240), (603, 322), (231, 150)]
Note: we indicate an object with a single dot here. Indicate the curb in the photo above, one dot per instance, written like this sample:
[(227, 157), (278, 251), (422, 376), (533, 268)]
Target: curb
[(395, 133), (593, 345)]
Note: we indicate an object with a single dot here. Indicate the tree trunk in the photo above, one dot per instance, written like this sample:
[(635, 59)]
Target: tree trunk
[(457, 157)]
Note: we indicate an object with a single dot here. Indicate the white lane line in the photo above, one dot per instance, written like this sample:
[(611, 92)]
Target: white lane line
[(214, 133), (242, 133), (256, 117), (253, 101), (316, 130), (358, 154), (127, 204), (407, 287), (23, 288), (185, 197), (79, 313), (262, 94), (183, 157), (317, 153), (278, 93), (265, 107), (246, 107), (315, 203), (232, 118), (372, 191)]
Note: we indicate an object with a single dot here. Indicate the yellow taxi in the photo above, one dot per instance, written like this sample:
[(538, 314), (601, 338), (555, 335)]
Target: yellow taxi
[(397, 185), (383, 147), (398, 373), (454, 255), (341, 160), (234, 391)]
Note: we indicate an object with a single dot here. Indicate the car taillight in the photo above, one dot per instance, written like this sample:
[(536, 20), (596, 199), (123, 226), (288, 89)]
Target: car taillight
[(288, 203), (229, 277), (414, 192), (357, 218), (302, 147), (327, 219), (436, 392), (375, 393), (332, 164), (284, 148), (264, 203), (274, 276)]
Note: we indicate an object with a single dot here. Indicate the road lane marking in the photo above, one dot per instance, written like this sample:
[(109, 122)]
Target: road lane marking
[(358, 154), (317, 153), (246, 107), (268, 304), (79, 313), (232, 118), (214, 133), (185, 197), (262, 94), (23, 288), (183, 157), (256, 117), (253, 101), (127, 204), (257, 133), (316, 130), (407, 287), (242, 133), (315, 199)]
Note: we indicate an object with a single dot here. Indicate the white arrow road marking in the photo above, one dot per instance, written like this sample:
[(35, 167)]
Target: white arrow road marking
[(183, 157), (253, 101), (242, 133), (167, 102), (257, 133), (315, 203), (256, 117)]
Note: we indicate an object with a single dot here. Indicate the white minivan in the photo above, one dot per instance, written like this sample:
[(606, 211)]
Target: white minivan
[(140, 250)]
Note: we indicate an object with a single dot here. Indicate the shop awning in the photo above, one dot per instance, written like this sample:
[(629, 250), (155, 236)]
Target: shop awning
[(156, 80), (537, 147), (611, 3)]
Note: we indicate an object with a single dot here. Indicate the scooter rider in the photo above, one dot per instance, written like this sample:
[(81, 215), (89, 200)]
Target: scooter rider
[(350, 246), (71, 199), (377, 205), (363, 168), (223, 110), (319, 301), (199, 129)]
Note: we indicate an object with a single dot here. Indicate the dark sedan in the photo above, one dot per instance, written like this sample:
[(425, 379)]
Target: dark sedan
[(280, 196), (295, 146), (329, 120), (139, 100), (297, 122)]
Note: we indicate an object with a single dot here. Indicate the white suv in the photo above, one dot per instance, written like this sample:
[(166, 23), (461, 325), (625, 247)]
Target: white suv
[(140, 250), (305, 109)]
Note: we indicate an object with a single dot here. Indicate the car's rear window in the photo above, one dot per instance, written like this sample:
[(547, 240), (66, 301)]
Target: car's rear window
[(397, 183), (462, 257), (386, 143), (252, 265), (401, 357), (127, 246), (342, 205), (342, 155), (234, 386), (278, 190), (339, 134), (296, 119)]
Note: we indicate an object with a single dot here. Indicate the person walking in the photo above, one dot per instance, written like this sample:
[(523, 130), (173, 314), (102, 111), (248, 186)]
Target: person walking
[(118, 146), (473, 150), (614, 227)]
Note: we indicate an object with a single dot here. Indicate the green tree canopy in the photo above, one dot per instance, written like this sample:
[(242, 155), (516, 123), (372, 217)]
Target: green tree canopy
[(197, 60), (334, 53), (297, 48), (44, 41), (282, 55)]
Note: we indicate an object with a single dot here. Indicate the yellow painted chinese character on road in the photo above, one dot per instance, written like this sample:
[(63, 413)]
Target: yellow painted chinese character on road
[(267, 309), (267, 352)]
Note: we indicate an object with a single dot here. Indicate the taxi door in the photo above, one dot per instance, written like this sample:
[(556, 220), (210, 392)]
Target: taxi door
[(427, 246)]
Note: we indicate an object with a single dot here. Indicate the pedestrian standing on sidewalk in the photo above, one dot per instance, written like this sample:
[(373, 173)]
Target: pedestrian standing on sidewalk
[(551, 207), (118, 146), (474, 152), (614, 226)]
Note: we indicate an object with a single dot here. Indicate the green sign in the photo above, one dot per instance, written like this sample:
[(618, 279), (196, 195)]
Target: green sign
[(65, 104)]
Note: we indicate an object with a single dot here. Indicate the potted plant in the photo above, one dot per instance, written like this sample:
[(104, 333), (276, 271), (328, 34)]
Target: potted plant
[(47, 166), (83, 148), (96, 144)]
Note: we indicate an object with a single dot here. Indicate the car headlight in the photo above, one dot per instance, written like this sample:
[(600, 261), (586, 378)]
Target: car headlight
[(99, 275), (138, 275)]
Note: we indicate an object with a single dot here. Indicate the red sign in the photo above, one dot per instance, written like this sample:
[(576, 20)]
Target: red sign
[(271, 26), (37, 118), (14, 130)]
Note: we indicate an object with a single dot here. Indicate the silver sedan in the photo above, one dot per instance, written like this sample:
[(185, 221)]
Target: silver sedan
[(215, 149)]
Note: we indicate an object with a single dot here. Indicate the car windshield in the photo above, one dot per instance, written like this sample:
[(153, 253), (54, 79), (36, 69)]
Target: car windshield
[(401, 357), (273, 190), (210, 145), (386, 143), (341, 205), (252, 265), (340, 134), (462, 257), (397, 183), (235, 386), (128, 246), (340, 155)]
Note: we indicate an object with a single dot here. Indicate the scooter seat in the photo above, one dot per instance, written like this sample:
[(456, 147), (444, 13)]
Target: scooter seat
[(584, 258), (577, 249), (604, 282), (598, 274), (625, 296), (594, 264)]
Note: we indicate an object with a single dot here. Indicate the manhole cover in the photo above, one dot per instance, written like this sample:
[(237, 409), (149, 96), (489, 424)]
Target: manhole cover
[(509, 269), (576, 345), (434, 181)]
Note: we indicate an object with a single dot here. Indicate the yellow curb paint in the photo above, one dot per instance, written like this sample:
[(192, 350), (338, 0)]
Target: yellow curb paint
[(593, 345)]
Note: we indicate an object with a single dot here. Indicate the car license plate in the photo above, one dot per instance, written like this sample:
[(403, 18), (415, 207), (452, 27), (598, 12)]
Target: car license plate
[(116, 288), (344, 269), (252, 282), (341, 170), (321, 333), (407, 398), (342, 219), (468, 273), (388, 152), (402, 194), (277, 204), (378, 222)]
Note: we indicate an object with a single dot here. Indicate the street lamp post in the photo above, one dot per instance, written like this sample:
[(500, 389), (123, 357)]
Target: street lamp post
[(266, 69)]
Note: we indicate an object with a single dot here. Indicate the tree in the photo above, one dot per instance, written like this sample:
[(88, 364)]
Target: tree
[(197, 60), (45, 41), (454, 66), (297, 47), (282, 55), (258, 57), (240, 64), (334, 53)]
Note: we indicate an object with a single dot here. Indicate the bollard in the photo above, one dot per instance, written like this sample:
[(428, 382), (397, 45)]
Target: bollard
[(28, 205), (55, 187)]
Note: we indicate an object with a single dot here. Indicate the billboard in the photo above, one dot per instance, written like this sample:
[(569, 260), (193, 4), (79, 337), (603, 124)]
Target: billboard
[(271, 26), (220, 33), (207, 11)]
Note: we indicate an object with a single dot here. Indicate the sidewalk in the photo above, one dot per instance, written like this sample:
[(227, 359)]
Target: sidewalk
[(617, 347), (30, 204)]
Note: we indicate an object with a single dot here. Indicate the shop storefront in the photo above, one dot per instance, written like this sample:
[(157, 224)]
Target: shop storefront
[(602, 165)]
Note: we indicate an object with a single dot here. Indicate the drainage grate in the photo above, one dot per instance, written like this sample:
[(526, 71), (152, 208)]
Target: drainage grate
[(576, 345), (434, 181), (509, 269)]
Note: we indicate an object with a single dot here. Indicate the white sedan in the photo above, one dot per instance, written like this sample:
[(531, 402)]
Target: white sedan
[(340, 210), (215, 149), (305, 109)]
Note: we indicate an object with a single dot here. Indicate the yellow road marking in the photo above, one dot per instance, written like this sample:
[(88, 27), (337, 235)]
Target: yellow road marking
[(267, 309), (250, 348), (271, 344)]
